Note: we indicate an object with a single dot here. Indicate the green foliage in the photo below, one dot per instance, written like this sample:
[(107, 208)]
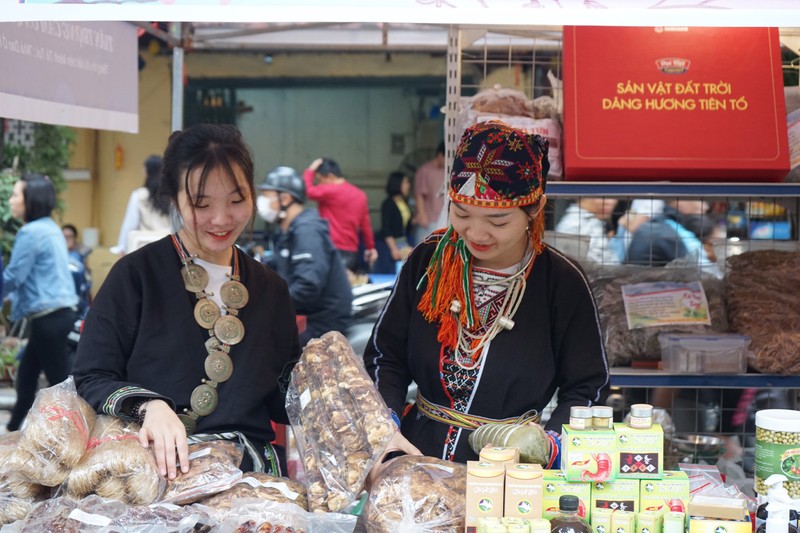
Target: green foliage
[(8, 224), (49, 156)]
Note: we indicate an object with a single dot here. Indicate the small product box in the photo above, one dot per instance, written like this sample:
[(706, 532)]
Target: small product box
[(670, 493), (717, 507), (484, 492), (674, 522), (556, 485), (601, 520), (698, 524), (524, 488), (623, 522), (641, 452), (499, 454), (649, 521), (619, 495), (588, 455)]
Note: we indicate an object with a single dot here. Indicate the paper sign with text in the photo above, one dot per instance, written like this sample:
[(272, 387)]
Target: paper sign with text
[(664, 303)]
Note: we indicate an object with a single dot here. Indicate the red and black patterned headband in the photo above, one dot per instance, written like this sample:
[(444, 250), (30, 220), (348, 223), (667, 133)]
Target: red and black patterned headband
[(499, 166)]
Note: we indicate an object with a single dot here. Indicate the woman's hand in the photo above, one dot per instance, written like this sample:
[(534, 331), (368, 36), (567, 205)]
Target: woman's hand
[(398, 444), (165, 431)]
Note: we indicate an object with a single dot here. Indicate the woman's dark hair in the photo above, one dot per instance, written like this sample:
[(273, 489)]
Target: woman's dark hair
[(152, 167), (394, 184), (329, 166), (39, 196), (72, 228), (205, 147)]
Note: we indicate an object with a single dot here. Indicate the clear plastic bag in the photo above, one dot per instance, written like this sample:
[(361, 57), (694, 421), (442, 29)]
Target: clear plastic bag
[(257, 485), (94, 514), (54, 436), (116, 466), (213, 467), (341, 423), (417, 494), (253, 516), (13, 508)]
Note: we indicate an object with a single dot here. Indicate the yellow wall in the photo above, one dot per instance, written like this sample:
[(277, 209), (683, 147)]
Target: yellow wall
[(100, 202)]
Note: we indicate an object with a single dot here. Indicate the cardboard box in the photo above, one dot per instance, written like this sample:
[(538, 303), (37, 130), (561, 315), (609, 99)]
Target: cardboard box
[(649, 521), (588, 454), (484, 492), (641, 452), (717, 507), (656, 103), (671, 493), (556, 485), (523, 491), (619, 495), (715, 525)]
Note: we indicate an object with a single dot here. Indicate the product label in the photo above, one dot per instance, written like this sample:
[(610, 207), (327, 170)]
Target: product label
[(777, 459), (665, 303)]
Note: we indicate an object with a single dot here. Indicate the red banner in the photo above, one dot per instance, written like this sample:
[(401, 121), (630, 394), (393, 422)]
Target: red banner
[(674, 103)]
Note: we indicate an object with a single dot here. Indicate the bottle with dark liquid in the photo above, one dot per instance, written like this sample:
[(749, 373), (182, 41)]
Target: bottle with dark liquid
[(567, 520)]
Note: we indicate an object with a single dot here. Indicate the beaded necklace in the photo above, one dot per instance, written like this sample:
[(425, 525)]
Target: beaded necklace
[(223, 330), (469, 352)]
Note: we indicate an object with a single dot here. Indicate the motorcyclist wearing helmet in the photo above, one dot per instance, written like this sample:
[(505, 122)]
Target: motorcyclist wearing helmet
[(304, 255)]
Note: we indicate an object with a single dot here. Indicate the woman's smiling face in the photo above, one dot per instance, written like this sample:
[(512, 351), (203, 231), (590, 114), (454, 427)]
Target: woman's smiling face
[(220, 213), (496, 237)]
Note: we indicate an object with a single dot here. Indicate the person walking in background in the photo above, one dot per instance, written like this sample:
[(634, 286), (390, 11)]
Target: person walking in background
[(305, 256), (39, 284), (429, 194), (591, 217), (77, 266), (678, 232), (392, 240), (146, 212), (345, 208)]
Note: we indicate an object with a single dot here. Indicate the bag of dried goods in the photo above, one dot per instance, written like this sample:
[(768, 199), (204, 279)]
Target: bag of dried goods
[(54, 436), (341, 423), (624, 344), (760, 306), (116, 466), (213, 468), (416, 493), (263, 487)]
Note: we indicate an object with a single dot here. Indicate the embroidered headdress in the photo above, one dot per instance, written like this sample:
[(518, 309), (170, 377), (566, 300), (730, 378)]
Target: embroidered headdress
[(495, 166)]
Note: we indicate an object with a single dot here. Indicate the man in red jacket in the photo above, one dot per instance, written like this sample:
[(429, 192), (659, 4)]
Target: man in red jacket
[(345, 208)]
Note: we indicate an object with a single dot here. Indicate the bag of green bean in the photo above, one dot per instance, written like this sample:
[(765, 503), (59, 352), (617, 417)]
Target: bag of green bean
[(778, 448)]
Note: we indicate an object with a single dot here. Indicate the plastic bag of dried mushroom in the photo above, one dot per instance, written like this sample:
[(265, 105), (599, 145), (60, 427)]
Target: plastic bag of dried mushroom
[(262, 487), (213, 468), (762, 303), (414, 493), (116, 466), (54, 436), (341, 422)]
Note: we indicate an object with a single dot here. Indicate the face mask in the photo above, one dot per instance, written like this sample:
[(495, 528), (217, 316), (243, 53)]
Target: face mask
[(265, 209)]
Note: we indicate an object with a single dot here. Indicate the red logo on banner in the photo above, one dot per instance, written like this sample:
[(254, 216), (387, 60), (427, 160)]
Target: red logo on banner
[(673, 65)]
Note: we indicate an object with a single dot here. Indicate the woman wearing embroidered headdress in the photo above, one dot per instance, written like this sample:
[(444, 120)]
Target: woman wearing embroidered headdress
[(487, 319)]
